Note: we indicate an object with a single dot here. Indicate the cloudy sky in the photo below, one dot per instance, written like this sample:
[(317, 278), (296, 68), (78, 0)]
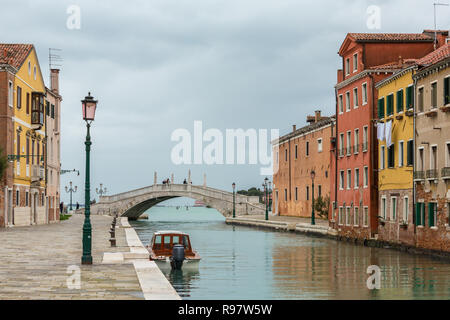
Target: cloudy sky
[(158, 65)]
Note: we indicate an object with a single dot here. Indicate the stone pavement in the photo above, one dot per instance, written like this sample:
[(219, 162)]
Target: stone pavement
[(289, 219), (34, 262)]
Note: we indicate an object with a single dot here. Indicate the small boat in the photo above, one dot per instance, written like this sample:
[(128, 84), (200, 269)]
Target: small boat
[(165, 243)]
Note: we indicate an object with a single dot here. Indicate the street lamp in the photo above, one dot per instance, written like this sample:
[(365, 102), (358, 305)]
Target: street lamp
[(313, 175), (269, 192), (101, 191), (71, 190), (234, 199), (88, 108), (265, 197)]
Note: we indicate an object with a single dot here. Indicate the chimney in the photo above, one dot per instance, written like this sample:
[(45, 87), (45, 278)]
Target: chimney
[(294, 127), (400, 61), (317, 116), (54, 79)]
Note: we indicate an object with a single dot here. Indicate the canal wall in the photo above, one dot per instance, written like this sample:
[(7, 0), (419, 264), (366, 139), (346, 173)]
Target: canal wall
[(154, 284), (327, 232)]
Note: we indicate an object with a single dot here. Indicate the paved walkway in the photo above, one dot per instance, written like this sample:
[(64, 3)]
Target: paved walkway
[(288, 219), (34, 262)]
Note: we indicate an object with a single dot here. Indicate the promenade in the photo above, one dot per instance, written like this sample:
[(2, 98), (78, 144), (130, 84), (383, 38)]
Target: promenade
[(35, 260)]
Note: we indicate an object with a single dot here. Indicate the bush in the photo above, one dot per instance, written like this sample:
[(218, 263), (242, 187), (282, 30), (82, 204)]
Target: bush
[(321, 206), (63, 217)]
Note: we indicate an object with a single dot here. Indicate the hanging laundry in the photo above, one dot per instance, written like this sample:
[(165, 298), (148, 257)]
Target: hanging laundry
[(388, 133), (380, 131)]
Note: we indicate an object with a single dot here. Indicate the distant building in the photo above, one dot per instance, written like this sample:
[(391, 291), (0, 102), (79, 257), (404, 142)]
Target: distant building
[(296, 155)]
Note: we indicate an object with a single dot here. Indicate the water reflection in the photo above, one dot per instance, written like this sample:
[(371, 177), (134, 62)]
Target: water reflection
[(182, 280)]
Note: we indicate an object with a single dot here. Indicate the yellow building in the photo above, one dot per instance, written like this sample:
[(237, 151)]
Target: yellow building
[(395, 159), (26, 90)]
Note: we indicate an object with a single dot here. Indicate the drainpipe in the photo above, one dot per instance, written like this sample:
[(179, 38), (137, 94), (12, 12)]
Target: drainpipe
[(414, 150), (373, 153), (290, 177), (336, 154)]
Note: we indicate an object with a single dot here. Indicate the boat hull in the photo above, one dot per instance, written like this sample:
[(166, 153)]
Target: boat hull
[(188, 264)]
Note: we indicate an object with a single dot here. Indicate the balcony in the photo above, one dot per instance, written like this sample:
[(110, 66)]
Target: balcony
[(419, 175), (37, 173), (445, 173), (432, 174)]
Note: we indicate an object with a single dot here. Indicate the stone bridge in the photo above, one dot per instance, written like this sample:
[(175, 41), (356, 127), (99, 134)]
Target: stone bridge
[(133, 203)]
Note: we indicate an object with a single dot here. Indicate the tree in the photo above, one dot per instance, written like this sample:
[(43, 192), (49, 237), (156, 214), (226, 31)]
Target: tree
[(321, 206), (3, 163)]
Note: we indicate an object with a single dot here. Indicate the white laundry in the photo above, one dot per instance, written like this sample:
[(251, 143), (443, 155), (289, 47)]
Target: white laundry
[(388, 133), (380, 131)]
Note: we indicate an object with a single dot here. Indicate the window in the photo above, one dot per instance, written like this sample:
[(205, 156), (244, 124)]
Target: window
[(34, 72), (400, 100), (307, 148), (347, 66), (53, 111), (355, 98), (319, 190), (10, 94), (296, 193), (393, 208), (447, 159), (341, 104), (433, 95), (27, 203), (420, 214), (364, 93), (356, 216), (347, 216), (319, 145), (433, 158), (421, 160), (390, 154), (285, 194), (366, 216), (365, 138), (410, 153), (349, 178), (381, 108), (448, 213), (341, 144), (28, 103), (382, 158), (17, 198), (383, 208), (446, 91), (405, 209), (356, 178), (296, 151), (349, 142), (340, 217), (355, 62), (390, 104), (341, 180), (409, 95), (307, 192), (285, 155), (400, 154), (432, 214), (19, 97), (366, 176), (347, 101), (29, 68), (420, 99), (356, 147)]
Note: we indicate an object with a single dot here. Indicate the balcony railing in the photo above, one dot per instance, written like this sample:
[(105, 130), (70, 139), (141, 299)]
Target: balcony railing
[(37, 173), (419, 175), (432, 174), (445, 173)]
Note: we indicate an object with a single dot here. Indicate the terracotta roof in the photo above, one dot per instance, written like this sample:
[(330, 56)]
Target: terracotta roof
[(321, 123), (390, 37), (14, 54), (395, 65), (435, 56)]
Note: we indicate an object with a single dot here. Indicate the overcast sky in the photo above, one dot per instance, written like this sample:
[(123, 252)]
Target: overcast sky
[(158, 65)]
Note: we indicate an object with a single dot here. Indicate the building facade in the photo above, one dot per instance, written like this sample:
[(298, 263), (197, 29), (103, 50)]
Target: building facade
[(22, 106), (53, 130), (296, 155), (432, 165), (354, 192)]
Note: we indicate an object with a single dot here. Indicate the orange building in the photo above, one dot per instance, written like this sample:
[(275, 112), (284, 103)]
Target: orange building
[(296, 155)]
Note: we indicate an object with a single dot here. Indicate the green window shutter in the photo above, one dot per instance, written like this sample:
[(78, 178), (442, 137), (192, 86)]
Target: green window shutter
[(409, 97), (418, 214), (431, 209), (381, 108), (399, 100), (410, 153), (447, 90)]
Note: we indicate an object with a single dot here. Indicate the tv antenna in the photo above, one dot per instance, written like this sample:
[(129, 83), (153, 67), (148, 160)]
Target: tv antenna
[(54, 59), (435, 27)]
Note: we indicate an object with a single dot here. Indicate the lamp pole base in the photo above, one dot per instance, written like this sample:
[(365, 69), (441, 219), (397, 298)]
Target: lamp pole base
[(86, 260)]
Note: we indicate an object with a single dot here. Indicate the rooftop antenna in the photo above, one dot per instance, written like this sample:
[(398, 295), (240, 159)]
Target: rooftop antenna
[(54, 59), (435, 27)]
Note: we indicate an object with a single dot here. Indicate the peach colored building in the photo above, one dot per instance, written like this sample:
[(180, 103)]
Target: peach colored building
[(296, 155)]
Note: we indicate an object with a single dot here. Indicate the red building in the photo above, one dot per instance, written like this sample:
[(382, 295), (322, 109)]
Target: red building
[(366, 59)]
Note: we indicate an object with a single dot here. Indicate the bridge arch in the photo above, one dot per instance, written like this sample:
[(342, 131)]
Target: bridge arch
[(133, 203)]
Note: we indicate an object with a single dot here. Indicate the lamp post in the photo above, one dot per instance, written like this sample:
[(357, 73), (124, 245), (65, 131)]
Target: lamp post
[(234, 199), (101, 191), (88, 107), (265, 197), (71, 190), (269, 192), (313, 175)]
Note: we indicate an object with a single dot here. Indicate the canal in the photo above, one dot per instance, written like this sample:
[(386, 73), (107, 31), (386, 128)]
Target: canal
[(245, 263)]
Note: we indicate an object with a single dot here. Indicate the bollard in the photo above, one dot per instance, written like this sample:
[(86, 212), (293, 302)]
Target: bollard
[(112, 233), (112, 241)]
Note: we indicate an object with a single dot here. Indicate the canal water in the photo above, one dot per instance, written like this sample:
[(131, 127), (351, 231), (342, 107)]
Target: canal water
[(245, 263)]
